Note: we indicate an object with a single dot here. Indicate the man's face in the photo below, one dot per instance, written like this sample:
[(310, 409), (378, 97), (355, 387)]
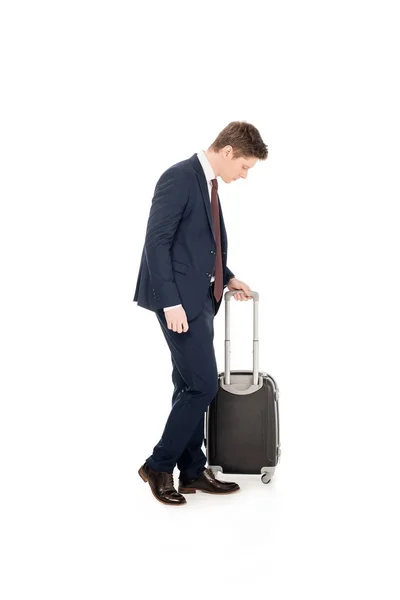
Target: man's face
[(236, 168)]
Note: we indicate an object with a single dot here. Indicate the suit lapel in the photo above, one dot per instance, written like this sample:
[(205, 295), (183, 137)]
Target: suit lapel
[(206, 198)]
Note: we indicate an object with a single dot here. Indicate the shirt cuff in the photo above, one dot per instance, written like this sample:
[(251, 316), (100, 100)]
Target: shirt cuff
[(169, 307)]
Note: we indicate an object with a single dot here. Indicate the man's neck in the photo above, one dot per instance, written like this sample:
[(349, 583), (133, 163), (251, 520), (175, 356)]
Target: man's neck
[(212, 158)]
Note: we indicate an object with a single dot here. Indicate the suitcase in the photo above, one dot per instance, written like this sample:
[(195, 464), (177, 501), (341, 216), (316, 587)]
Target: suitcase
[(242, 421)]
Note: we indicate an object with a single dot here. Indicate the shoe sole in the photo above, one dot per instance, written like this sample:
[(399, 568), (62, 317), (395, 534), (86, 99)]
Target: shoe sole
[(194, 490), (145, 479)]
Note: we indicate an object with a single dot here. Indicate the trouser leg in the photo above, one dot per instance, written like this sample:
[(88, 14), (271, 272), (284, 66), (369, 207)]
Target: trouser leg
[(194, 358), (192, 460)]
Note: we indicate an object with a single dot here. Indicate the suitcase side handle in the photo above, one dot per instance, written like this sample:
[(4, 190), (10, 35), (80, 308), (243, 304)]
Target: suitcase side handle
[(227, 372)]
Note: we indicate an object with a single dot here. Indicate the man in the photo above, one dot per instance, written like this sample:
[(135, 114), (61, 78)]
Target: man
[(181, 278)]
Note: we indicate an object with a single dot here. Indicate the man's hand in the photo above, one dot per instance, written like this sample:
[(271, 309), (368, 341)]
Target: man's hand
[(176, 319), (235, 284)]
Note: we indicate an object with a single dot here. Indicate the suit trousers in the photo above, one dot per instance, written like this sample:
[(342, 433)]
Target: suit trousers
[(195, 381)]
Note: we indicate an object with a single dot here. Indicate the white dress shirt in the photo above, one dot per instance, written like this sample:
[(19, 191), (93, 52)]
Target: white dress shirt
[(209, 173)]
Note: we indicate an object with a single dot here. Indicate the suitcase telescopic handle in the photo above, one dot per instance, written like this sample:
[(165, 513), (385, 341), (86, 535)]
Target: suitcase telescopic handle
[(227, 373)]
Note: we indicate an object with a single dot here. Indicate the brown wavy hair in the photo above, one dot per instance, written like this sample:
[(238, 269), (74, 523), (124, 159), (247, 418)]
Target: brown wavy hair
[(244, 138)]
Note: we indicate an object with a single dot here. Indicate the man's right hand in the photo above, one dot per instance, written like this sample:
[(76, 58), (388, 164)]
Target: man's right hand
[(176, 319)]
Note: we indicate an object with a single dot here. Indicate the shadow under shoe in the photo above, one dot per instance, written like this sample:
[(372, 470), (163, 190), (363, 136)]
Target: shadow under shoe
[(162, 486), (207, 483)]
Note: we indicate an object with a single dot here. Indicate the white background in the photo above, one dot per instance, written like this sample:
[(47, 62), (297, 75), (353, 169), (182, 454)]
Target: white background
[(98, 99)]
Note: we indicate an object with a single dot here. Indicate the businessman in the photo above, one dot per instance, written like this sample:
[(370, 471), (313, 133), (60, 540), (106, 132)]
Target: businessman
[(182, 274)]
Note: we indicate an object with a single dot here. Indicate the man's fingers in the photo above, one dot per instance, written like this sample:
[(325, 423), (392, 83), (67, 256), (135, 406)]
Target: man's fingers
[(243, 295), (178, 327), (177, 320), (183, 327)]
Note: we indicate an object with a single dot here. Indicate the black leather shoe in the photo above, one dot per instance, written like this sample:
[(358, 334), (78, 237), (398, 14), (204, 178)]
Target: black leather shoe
[(162, 486), (207, 483)]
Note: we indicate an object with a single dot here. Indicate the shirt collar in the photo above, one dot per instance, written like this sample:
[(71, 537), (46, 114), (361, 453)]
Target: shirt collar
[(207, 168)]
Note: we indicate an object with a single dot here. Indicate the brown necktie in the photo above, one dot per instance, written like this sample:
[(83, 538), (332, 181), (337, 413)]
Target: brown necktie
[(218, 283)]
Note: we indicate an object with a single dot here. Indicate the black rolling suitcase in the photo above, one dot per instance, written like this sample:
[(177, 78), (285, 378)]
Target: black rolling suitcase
[(242, 422)]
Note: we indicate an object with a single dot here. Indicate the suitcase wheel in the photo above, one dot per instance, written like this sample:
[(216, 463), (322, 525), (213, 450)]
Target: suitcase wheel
[(265, 478)]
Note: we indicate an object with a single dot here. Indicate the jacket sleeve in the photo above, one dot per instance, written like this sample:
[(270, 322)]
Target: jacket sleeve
[(228, 275), (169, 201)]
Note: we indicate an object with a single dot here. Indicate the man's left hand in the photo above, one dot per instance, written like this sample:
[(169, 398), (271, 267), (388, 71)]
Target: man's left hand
[(236, 284)]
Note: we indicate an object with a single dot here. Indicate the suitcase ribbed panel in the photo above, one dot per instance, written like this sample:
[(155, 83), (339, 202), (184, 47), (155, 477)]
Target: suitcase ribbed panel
[(243, 434)]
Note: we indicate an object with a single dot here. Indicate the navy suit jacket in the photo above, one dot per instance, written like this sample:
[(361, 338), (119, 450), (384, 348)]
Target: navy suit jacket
[(179, 251)]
